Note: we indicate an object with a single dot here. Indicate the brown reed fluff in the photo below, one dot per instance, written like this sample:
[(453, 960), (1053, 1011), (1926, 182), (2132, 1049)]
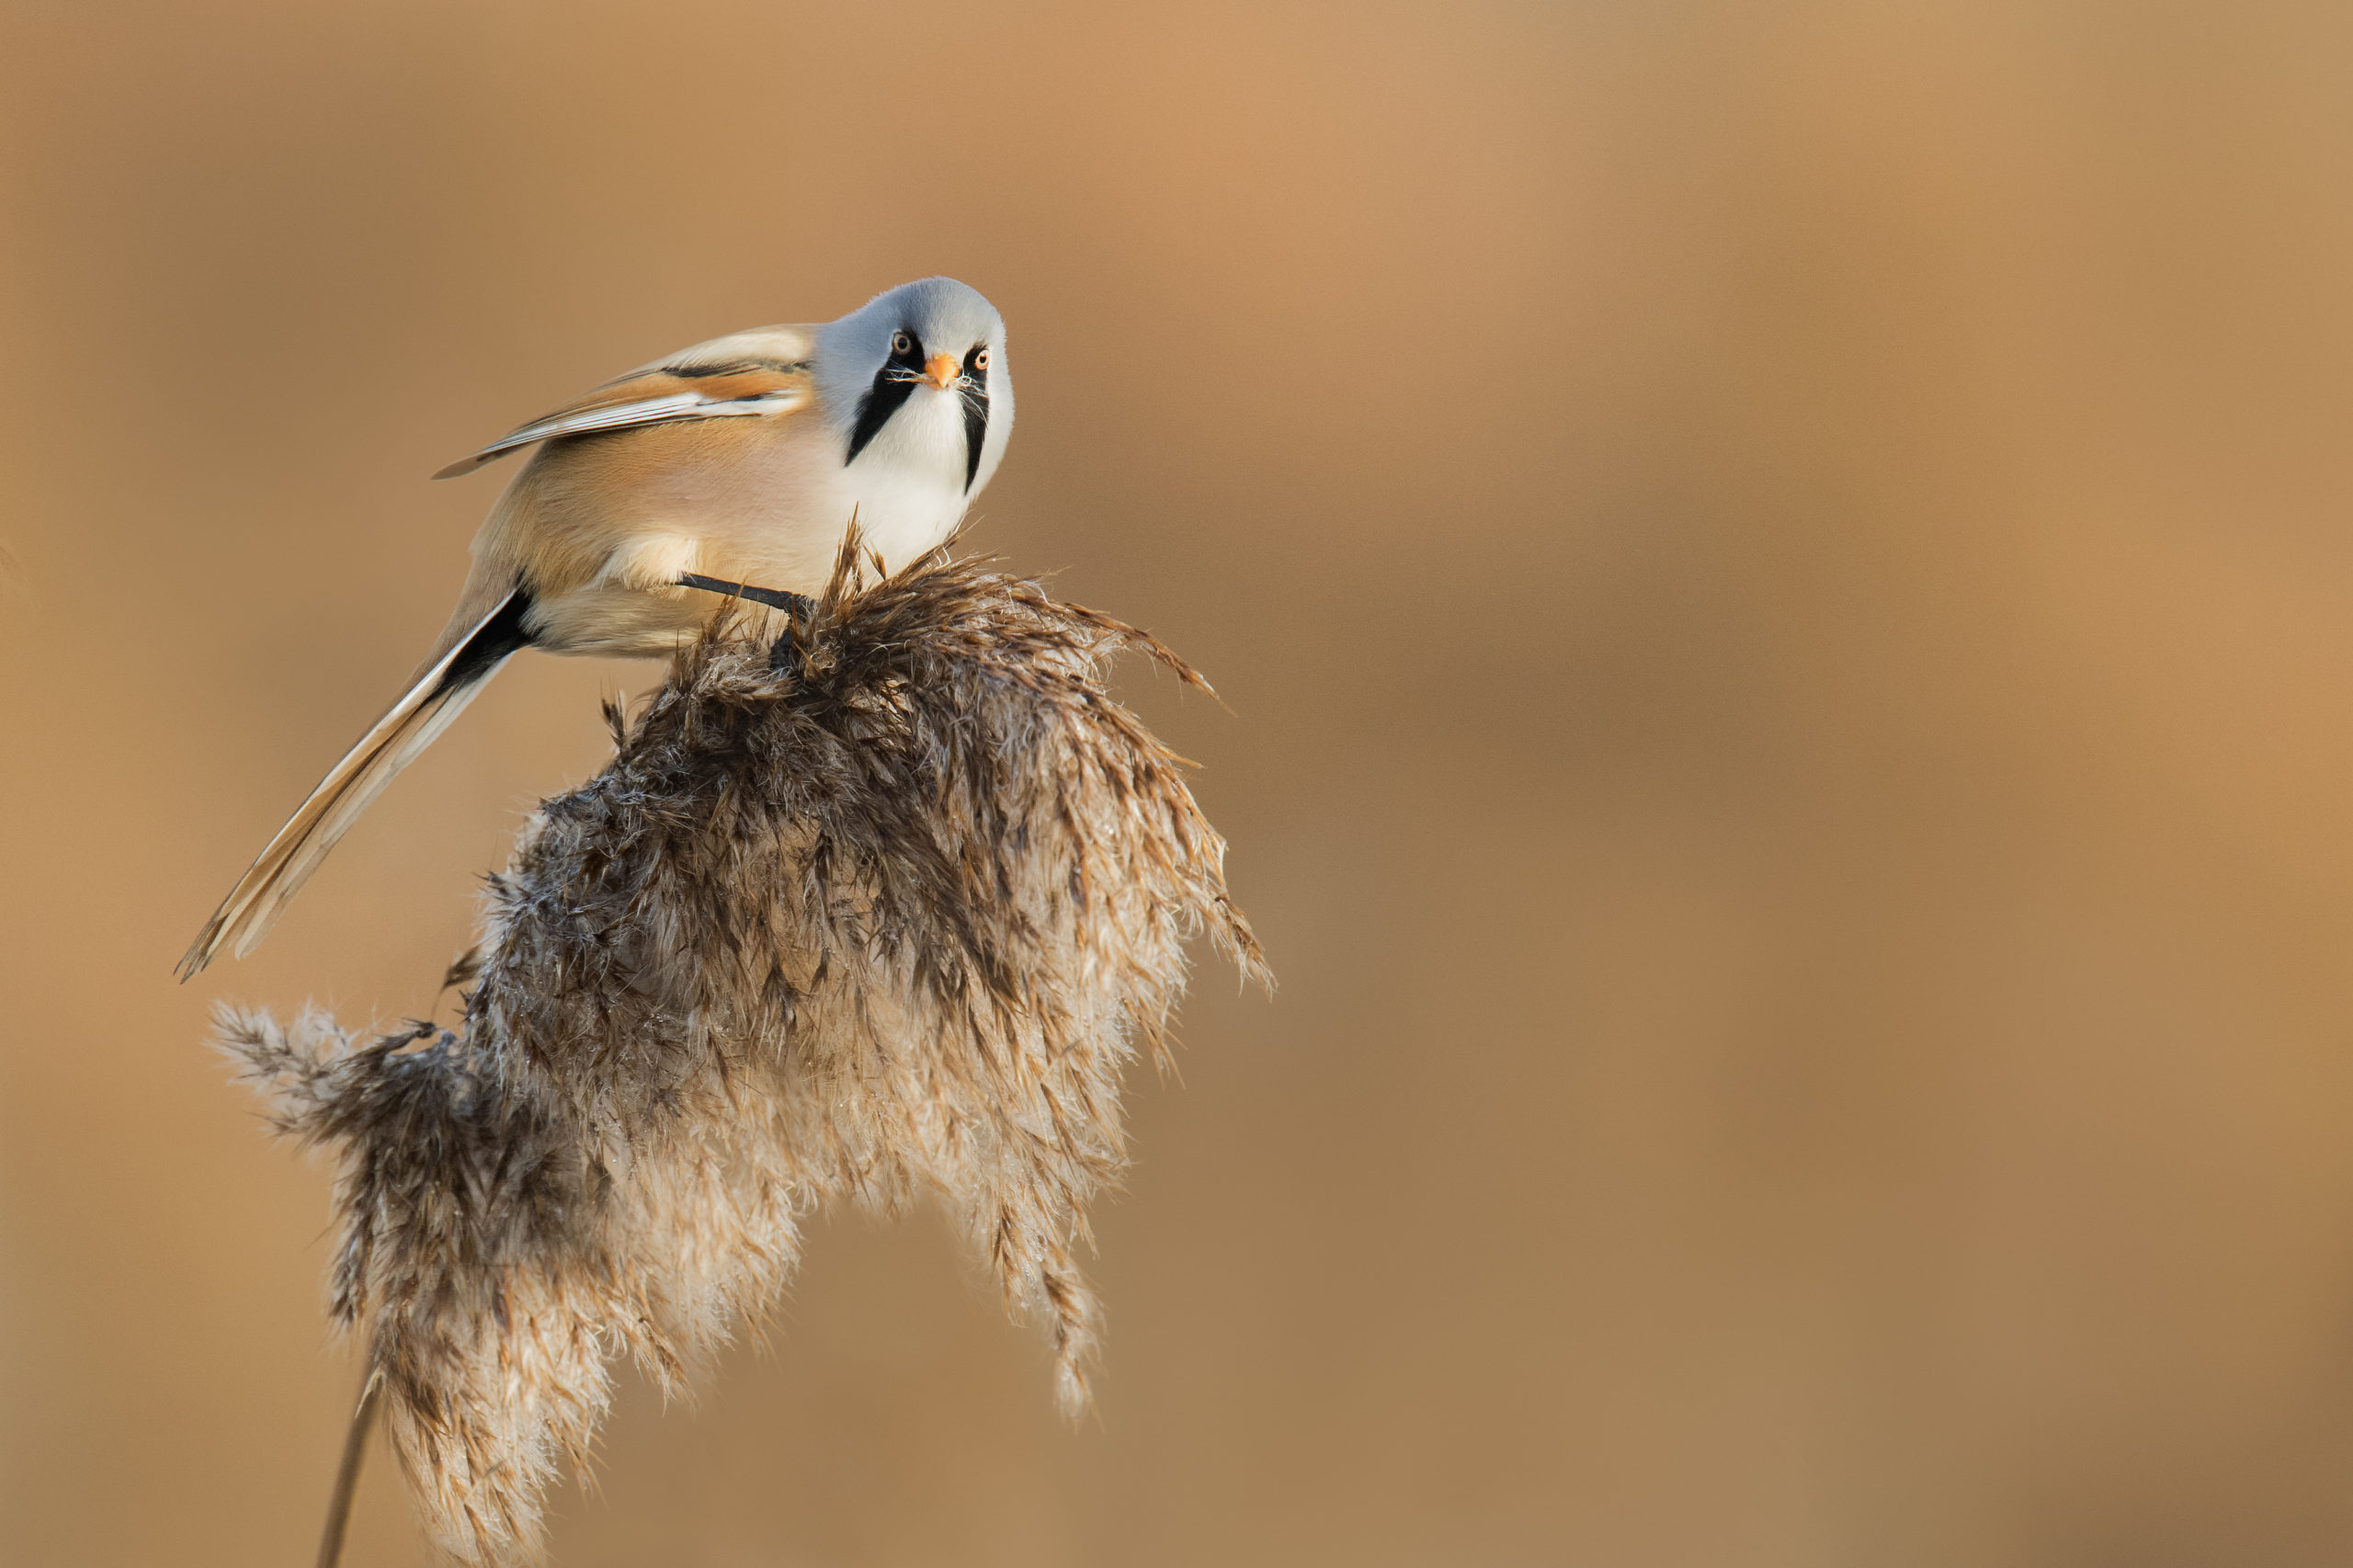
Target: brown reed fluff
[(881, 918)]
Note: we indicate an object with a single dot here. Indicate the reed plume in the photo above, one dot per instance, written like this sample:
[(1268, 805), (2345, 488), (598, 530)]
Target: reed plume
[(880, 915)]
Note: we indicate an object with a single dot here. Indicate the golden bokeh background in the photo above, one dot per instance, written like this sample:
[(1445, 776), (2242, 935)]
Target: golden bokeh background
[(1784, 582)]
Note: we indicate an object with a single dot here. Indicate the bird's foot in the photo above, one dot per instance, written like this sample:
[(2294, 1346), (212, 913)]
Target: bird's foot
[(798, 607)]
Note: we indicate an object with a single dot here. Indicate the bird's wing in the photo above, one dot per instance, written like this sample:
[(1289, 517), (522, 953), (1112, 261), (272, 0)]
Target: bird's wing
[(763, 372)]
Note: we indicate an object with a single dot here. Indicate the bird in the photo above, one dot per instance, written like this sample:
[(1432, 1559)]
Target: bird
[(732, 468)]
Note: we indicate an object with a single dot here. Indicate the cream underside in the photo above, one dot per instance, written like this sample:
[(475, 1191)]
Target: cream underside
[(603, 528)]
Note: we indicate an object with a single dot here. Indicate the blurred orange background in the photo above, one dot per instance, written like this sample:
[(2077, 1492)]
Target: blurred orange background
[(1783, 579)]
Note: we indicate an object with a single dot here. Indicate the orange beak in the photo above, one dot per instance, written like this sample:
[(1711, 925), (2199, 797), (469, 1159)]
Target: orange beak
[(941, 371)]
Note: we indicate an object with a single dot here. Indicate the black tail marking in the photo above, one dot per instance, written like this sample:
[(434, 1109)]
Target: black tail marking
[(492, 642)]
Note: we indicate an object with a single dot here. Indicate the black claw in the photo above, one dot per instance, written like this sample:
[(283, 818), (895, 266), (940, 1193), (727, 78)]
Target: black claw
[(784, 652)]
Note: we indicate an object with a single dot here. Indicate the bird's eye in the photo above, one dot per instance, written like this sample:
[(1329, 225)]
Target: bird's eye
[(902, 344), (981, 359)]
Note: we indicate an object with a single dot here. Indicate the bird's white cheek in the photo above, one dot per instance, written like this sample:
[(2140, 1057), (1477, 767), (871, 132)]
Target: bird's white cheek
[(908, 485)]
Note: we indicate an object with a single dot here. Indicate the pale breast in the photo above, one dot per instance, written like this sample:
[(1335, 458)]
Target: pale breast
[(599, 526), (907, 486)]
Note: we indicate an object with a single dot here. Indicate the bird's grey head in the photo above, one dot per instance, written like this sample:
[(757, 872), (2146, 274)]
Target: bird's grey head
[(916, 345)]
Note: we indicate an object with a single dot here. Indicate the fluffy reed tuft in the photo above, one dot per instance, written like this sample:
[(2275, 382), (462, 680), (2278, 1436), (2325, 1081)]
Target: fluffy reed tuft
[(883, 916)]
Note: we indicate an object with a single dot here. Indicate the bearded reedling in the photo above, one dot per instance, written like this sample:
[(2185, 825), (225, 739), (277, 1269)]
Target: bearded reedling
[(732, 468)]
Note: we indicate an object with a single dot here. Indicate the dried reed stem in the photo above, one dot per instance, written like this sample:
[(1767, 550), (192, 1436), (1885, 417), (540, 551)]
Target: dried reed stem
[(886, 923), (346, 1473)]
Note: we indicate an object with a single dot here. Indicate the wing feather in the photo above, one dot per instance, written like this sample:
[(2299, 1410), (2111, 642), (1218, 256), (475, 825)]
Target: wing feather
[(750, 374)]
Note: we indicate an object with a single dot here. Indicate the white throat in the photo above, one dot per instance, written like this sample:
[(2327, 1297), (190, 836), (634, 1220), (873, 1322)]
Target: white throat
[(908, 483)]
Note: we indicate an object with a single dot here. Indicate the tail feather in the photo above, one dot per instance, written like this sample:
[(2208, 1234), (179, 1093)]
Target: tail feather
[(438, 697)]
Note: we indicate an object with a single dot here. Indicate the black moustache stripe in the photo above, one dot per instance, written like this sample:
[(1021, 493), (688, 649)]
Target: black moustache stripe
[(885, 397), (896, 381), (975, 389), (874, 410), (976, 430)]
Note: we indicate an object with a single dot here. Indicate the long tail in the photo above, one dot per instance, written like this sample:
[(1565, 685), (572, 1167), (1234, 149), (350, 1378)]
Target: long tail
[(438, 697)]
